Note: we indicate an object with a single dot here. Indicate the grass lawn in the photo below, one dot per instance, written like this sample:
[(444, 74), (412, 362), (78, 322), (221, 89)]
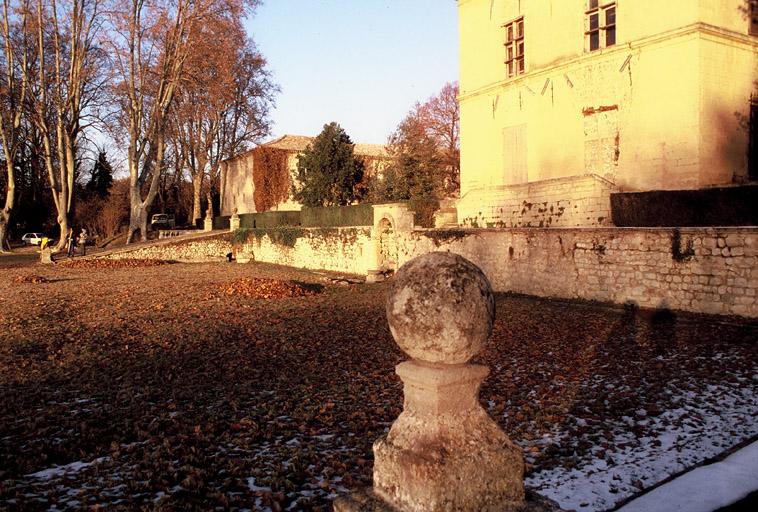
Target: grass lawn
[(202, 386)]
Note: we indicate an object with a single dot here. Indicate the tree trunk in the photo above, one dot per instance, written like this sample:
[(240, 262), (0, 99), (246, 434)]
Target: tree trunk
[(4, 223), (63, 218), (139, 208), (137, 218), (5, 213), (63, 223), (197, 191)]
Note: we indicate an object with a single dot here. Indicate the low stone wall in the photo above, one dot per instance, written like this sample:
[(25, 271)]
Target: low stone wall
[(706, 270), (345, 249), (200, 250)]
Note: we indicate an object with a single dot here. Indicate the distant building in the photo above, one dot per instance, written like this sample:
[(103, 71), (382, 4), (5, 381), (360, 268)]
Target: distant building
[(563, 102), (237, 180)]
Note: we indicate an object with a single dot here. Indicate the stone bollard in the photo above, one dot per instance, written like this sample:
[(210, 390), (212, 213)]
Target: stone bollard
[(443, 452), (46, 255)]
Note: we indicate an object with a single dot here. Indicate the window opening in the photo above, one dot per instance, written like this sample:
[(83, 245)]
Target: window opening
[(752, 165), (601, 25), (514, 47)]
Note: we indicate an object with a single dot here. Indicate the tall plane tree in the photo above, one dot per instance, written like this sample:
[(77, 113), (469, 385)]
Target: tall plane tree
[(62, 77), (13, 89), (152, 43), (223, 103)]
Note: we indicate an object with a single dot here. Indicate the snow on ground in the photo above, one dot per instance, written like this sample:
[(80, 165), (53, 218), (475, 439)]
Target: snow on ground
[(68, 469), (706, 488), (702, 426)]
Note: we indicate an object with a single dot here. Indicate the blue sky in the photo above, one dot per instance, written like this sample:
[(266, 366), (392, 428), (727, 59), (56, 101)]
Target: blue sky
[(362, 63)]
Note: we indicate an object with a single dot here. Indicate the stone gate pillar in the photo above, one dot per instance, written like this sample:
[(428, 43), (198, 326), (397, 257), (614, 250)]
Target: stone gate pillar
[(208, 223), (444, 452), (390, 220), (234, 221)]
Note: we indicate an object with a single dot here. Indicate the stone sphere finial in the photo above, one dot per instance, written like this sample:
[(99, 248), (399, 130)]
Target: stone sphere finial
[(440, 308)]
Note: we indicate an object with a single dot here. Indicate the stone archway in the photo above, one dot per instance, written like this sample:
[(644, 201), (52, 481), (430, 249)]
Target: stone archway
[(387, 245), (391, 222)]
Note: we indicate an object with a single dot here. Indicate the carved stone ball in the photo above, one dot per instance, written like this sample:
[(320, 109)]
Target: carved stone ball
[(440, 308)]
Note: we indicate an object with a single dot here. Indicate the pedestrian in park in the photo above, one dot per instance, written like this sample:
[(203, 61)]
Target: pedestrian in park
[(71, 242), (83, 237)]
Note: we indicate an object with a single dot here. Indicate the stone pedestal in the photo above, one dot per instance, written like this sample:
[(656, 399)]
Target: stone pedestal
[(234, 223), (443, 452), (46, 255), (366, 500), (208, 224)]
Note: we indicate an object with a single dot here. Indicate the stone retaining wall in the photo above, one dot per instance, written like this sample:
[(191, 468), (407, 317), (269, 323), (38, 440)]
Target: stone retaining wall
[(705, 270), (338, 249), (200, 250)]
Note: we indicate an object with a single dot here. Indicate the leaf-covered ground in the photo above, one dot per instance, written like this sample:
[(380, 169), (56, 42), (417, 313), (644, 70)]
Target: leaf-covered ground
[(179, 387)]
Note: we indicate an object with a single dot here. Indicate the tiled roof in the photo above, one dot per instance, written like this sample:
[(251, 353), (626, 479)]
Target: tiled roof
[(298, 143), (372, 150), (290, 142)]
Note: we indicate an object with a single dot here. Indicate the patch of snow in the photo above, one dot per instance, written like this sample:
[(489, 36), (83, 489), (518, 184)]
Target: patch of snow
[(706, 488), (705, 425), (251, 485), (58, 471)]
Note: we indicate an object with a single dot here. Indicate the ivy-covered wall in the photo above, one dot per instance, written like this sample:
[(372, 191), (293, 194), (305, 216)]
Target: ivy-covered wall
[(341, 249)]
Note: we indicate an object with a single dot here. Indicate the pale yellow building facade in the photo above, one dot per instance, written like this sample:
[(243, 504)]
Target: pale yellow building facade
[(238, 186), (565, 101)]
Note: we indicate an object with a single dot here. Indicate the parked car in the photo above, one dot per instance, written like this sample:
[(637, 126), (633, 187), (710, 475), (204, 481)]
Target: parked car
[(162, 221), (32, 238)]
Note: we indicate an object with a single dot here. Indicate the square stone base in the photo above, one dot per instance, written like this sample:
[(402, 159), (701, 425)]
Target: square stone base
[(365, 500)]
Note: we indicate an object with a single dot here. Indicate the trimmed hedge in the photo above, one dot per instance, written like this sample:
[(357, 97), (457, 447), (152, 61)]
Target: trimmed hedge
[(725, 206), (221, 222), (269, 219), (338, 216)]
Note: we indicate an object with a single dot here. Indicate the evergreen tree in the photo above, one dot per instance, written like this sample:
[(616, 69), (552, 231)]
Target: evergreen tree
[(101, 177), (328, 171)]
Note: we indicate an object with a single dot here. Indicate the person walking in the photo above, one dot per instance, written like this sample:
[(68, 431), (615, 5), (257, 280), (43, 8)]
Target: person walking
[(83, 237), (71, 242)]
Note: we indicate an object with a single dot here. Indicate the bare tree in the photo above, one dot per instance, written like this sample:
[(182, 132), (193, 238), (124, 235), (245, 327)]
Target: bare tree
[(152, 43), (212, 119), (13, 90), (65, 34), (440, 116), (425, 148), (246, 120)]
